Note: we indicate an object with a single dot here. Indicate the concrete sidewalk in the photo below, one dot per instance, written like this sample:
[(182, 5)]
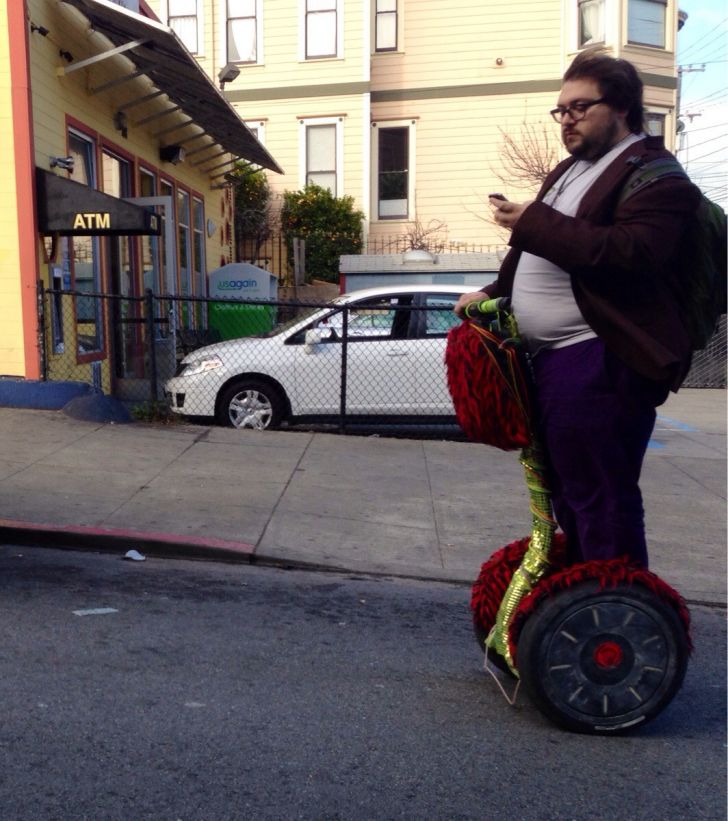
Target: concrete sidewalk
[(426, 509)]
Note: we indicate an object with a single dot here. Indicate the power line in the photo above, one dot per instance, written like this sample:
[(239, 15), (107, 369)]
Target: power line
[(709, 154), (690, 130), (696, 43), (710, 140)]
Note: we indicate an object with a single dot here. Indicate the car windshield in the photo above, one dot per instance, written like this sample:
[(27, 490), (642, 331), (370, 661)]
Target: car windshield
[(301, 315)]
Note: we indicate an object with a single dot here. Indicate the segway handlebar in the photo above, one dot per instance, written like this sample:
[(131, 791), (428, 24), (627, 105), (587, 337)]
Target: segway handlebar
[(487, 307)]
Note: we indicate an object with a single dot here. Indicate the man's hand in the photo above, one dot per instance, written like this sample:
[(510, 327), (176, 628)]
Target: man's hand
[(466, 299), (506, 213)]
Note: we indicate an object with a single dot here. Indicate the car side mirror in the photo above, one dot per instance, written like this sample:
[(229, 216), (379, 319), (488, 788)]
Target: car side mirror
[(312, 338)]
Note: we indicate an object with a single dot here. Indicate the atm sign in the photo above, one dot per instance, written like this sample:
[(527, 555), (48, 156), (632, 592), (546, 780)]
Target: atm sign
[(89, 220)]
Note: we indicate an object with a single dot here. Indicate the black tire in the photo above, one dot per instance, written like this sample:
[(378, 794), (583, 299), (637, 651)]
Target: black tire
[(602, 660), (251, 403)]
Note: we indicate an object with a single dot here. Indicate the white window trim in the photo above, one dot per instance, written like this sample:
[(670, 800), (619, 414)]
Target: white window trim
[(258, 127), (303, 124), (411, 170), (302, 33), (222, 26), (164, 16), (611, 24), (669, 118)]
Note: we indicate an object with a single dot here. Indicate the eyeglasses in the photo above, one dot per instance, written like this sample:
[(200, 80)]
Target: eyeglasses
[(577, 111)]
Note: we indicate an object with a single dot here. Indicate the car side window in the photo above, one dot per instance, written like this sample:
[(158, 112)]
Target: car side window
[(387, 317), (380, 318), (439, 316)]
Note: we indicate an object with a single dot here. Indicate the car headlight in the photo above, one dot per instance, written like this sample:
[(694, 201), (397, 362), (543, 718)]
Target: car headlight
[(209, 363)]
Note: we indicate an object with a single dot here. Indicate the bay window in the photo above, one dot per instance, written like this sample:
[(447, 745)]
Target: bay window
[(591, 22), (646, 22)]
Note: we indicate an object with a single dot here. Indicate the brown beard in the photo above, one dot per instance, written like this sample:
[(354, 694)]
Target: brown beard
[(592, 148)]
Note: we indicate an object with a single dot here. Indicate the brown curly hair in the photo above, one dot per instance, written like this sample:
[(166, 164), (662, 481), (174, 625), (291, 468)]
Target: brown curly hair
[(618, 81)]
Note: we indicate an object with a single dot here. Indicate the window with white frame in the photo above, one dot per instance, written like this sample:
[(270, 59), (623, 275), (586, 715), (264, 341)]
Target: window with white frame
[(385, 25), (322, 154), (257, 129), (243, 34), (182, 19), (655, 124), (646, 22), (591, 22), (321, 26), (393, 181)]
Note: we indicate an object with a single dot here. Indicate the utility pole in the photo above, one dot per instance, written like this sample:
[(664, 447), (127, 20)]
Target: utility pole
[(680, 125)]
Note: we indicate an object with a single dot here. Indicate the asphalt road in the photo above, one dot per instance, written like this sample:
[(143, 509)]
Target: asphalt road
[(210, 691)]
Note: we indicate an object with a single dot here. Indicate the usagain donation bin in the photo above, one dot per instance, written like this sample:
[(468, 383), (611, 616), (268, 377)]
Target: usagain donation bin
[(242, 293)]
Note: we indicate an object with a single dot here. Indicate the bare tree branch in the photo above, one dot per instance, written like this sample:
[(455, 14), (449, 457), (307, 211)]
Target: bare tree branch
[(528, 156), (424, 238)]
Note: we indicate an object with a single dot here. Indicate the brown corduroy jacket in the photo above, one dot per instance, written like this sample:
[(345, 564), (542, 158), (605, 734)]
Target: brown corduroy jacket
[(621, 260)]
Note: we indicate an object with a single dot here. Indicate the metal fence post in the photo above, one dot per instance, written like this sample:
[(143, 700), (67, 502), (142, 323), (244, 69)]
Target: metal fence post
[(42, 332), (151, 347), (344, 358)]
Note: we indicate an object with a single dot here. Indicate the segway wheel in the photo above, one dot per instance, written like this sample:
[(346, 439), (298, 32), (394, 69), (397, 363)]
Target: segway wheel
[(602, 661)]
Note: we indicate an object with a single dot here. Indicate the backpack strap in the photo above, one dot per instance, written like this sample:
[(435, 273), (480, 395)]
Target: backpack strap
[(648, 172)]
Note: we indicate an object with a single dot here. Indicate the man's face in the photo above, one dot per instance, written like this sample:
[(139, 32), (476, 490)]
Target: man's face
[(601, 127)]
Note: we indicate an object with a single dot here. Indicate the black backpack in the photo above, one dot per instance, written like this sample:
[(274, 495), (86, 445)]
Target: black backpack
[(702, 253)]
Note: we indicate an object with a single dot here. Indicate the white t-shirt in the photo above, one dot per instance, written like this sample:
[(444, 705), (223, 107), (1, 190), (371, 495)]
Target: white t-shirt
[(543, 301)]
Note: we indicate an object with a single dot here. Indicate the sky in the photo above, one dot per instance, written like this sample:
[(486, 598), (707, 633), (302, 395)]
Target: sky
[(703, 146)]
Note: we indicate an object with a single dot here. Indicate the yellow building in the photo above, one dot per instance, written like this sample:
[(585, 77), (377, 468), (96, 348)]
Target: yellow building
[(407, 104), (113, 149)]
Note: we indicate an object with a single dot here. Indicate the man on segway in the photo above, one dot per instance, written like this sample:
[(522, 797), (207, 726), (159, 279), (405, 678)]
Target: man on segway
[(599, 641)]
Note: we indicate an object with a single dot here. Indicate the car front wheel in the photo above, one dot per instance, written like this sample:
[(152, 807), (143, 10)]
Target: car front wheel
[(250, 404)]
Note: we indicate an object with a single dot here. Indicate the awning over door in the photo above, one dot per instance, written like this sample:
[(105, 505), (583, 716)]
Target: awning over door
[(68, 208), (158, 53)]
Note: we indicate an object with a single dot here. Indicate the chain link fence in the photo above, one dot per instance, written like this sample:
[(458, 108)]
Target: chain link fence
[(266, 364), (708, 369), (377, 362)]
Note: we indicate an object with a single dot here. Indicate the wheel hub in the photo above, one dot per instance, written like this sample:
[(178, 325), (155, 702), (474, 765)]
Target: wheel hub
[(607, 659), (608, 655)]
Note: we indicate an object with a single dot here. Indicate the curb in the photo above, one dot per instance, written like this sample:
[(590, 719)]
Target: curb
[(112, 540)]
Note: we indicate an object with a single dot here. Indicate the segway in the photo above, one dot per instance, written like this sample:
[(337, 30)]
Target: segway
[(600, 647)]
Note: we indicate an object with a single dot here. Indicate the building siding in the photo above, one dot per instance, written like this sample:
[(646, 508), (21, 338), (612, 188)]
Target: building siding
[(466, 74)]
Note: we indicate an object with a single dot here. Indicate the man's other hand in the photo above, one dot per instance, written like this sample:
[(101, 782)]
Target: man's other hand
[(466, 299)]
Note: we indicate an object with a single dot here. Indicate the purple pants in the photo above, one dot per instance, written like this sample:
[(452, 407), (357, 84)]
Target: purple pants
[(596, 416)]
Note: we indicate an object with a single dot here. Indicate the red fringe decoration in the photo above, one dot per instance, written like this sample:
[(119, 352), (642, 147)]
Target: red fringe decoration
[(609, 573), (487, 388), (495, 576)]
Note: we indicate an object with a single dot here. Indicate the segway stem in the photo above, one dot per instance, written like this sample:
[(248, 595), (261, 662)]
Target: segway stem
[(536, 559)]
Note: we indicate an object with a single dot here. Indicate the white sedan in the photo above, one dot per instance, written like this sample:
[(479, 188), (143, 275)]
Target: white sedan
[(392, 364)]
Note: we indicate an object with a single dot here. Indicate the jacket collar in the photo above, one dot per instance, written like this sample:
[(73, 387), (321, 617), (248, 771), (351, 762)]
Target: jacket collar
[(621, 167)]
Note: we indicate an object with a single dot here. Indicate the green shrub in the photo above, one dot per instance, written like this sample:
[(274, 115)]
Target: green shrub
[(330, 226), (253, 221)]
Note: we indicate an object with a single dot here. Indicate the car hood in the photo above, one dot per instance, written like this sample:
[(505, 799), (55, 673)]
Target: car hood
[(227, 348)]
